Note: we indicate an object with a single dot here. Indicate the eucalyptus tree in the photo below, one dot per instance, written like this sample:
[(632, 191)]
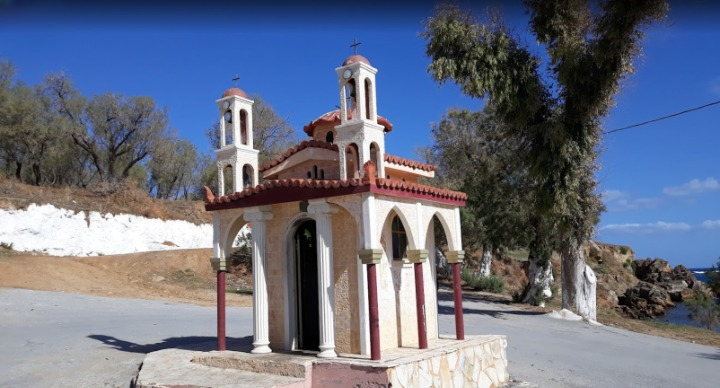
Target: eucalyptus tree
[(591, 48), (473, 156)]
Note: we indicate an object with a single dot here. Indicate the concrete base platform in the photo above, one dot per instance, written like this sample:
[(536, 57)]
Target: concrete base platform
[(479, 361)]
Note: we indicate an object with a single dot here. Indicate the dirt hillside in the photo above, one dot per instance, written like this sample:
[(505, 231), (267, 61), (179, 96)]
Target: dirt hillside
[(177, 275)]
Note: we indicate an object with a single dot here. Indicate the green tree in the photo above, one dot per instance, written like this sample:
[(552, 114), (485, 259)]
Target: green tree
[(713, 275), (117, 133), (704, 311), (474, 157), (171, 168), (556, 118)]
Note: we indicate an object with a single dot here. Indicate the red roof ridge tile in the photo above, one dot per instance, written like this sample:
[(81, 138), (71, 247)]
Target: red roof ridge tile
[(409, 163), (334, 116), (295, 149)]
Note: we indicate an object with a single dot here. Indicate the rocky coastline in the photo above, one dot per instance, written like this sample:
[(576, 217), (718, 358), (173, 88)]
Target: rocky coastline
[(659, 288)]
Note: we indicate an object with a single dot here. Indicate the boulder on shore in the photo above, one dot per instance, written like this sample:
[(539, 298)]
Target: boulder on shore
[(659, 287)]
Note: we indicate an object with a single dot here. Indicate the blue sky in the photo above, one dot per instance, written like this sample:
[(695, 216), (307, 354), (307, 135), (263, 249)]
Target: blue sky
[(661, 182)]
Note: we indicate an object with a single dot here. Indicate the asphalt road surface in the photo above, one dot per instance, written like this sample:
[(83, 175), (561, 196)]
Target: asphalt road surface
[(52, 339)]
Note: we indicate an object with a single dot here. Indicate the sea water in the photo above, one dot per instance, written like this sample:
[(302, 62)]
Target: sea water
[(680, 314)]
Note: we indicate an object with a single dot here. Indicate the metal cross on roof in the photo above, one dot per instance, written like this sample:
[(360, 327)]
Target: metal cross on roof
[(235, 79), (354, 45)]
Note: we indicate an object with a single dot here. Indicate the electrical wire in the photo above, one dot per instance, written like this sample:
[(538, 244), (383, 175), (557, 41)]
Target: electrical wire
[(662, 118)]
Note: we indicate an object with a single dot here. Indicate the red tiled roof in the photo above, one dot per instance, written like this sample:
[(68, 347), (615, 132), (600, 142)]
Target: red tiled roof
[(290, 190), (409, 163), (333, 117), (296, 149)]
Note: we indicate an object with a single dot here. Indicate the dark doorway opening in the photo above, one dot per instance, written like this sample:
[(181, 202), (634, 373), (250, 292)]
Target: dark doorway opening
[(308, 306)]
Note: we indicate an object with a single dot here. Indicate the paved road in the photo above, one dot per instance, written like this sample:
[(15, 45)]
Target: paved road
[(50, 339), (65, 340), (551, 352)]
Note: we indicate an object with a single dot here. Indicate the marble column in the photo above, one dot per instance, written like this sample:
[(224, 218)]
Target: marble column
[(258, 217), (321, 212)]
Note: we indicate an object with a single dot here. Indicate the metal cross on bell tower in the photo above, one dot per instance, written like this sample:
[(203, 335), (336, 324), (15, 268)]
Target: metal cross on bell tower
[(235, 80), (354, 45)]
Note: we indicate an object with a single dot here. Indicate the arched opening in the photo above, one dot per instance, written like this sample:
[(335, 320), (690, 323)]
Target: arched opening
[(322, 174), (243, 127), (399, 239), (315, 172), (330, 137), (368, 88), (306, 287), (228, 135), (350, 97), (228, 180), (352, 161), (248, 175), (374, 153)]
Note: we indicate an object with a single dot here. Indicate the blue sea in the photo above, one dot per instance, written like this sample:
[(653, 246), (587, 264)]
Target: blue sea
[(679, 315)]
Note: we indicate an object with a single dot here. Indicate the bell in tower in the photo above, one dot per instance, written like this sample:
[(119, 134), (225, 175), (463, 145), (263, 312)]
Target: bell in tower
[(237, 160)]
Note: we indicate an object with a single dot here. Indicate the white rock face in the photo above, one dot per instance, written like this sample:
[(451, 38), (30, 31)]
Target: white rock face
[(61, 232)]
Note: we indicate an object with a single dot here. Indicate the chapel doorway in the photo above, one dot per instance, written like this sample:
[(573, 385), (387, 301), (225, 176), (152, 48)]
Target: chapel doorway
[(308, 306)]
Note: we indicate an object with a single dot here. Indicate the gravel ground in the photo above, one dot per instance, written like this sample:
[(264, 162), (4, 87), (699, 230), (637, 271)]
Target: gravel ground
[(54, 339)]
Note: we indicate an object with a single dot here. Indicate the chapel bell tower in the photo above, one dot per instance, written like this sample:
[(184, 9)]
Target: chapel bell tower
[(237, 160), (359, 134)]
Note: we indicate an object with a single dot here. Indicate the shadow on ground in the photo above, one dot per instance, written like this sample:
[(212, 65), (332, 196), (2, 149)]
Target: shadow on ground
[(484, 297), (711, 356), (197, 343)]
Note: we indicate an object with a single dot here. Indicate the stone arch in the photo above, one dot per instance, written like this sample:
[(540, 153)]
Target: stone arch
[(291, 273), (226, 132), (352, 161), (387, 225), (368, 96), (244, 138), (228, 177), (449, 232), (248, 176), (233, 229), (375, 153)]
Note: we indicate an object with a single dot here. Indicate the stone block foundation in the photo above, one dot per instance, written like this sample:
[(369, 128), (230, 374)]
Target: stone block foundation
[(478, 361)]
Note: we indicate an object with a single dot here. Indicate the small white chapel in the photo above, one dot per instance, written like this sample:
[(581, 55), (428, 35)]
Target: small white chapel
[(342, 231)]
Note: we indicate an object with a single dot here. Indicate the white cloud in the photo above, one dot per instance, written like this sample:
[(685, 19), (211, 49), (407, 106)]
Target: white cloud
[(612, 195), (617, 200), (654, 227), (710, 224), (695, 186)]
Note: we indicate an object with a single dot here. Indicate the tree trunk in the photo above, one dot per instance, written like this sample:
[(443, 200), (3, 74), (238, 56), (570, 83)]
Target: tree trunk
[(540, 281), (486, 262), (18, 170), (578, 283)]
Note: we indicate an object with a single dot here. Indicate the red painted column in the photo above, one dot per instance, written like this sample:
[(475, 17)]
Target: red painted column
[(457, 293), (420, 306), (221, 310), (373, 310)]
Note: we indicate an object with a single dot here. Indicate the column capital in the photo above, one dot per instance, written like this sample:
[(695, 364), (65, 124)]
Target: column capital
[(455, 256), (219, 263), (417, 255), (319, 207), (370, 256), (257, 214)]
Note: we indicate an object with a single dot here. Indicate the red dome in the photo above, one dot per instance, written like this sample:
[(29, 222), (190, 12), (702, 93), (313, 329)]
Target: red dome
[(356, 58), (333, 118), (234, 92)]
